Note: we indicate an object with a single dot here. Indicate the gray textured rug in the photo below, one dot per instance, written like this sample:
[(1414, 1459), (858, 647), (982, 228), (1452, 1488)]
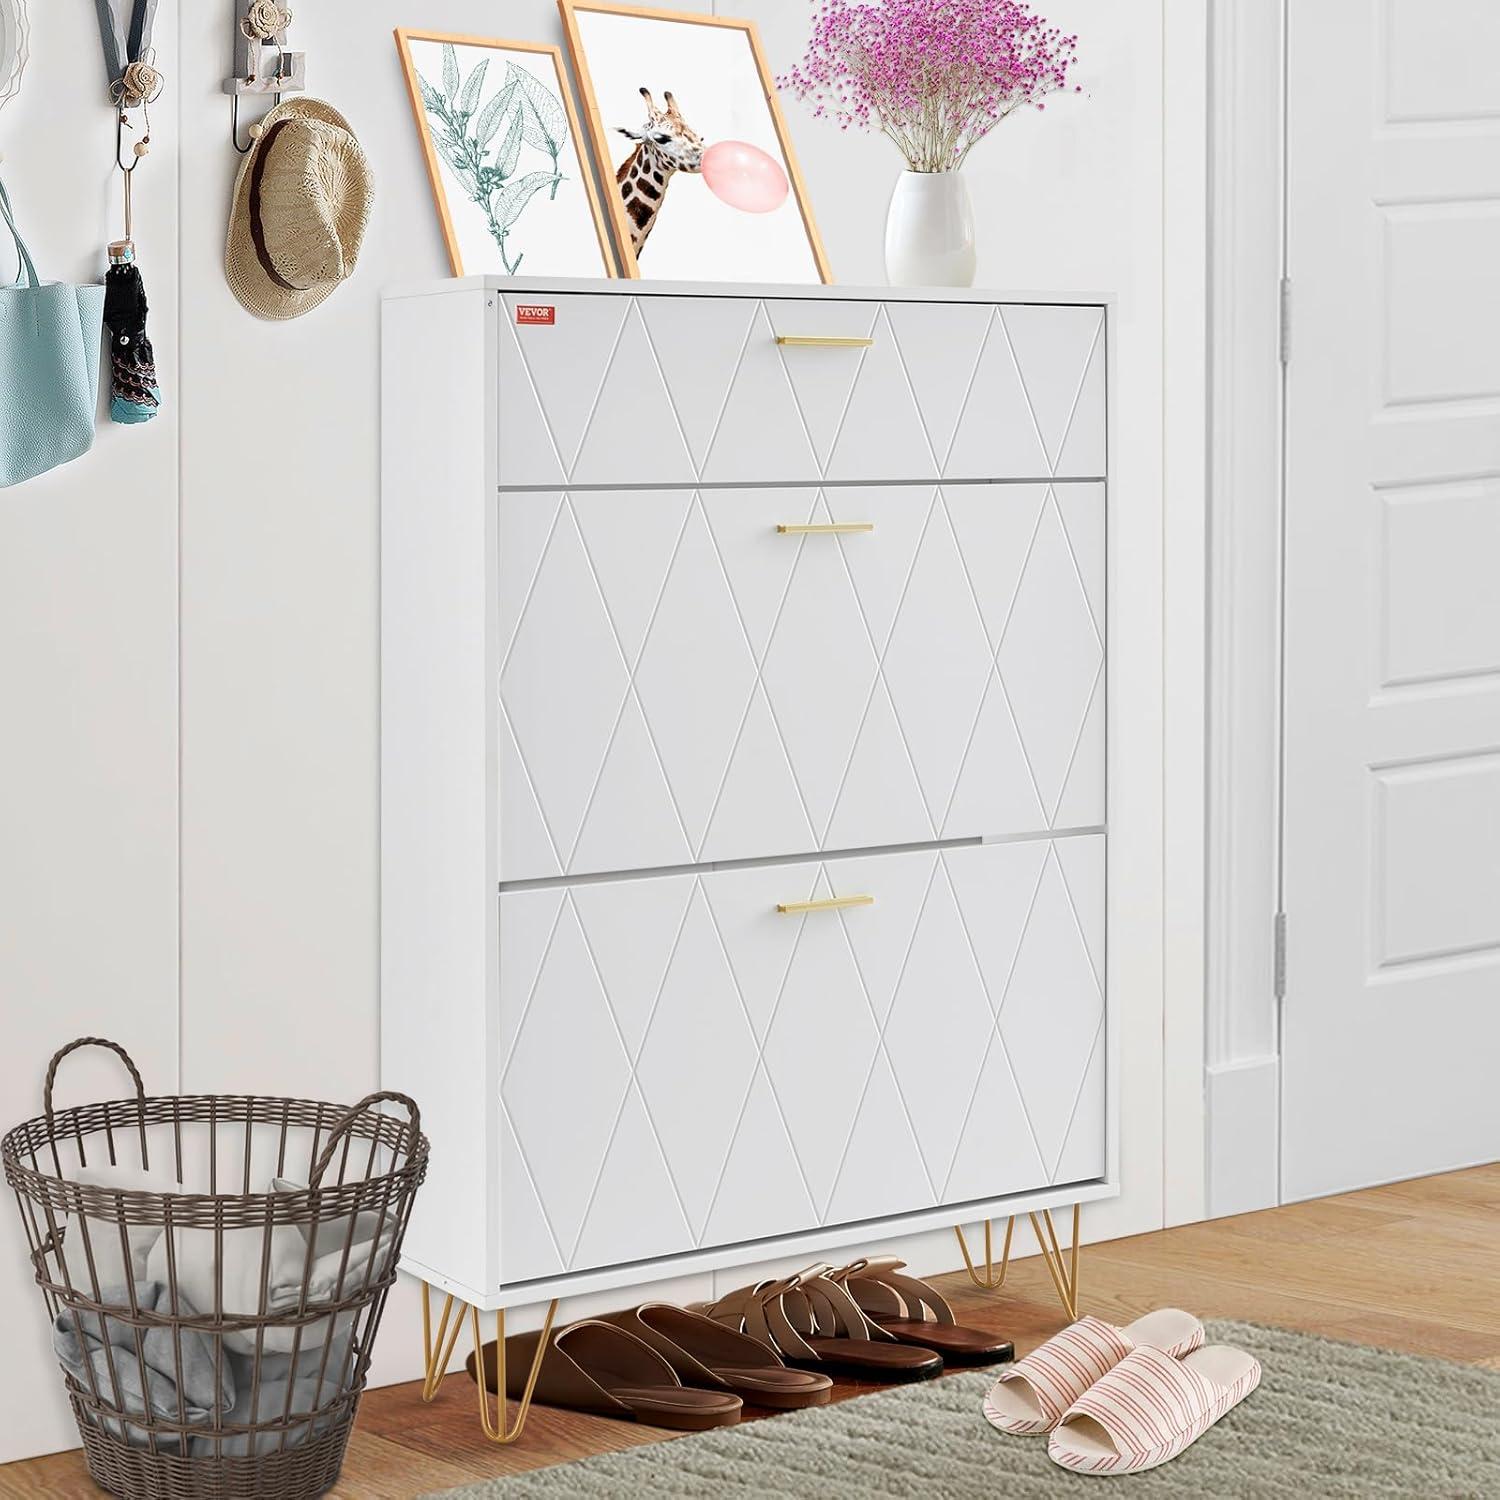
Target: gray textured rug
[(1329, 1419)]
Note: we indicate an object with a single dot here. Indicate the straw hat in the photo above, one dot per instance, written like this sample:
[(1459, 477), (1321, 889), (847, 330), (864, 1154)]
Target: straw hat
[(301, 203)]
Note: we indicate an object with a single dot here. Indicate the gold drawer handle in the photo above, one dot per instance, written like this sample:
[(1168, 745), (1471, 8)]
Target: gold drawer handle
[(835, 528), (820, 341), (833, 903)]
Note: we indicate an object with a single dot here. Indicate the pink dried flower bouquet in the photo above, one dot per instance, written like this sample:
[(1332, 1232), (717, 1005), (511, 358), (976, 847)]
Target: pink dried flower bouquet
[(936, 76)]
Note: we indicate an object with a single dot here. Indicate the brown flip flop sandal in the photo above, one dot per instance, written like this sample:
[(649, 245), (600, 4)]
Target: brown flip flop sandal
[(913, 1312), (706, 1353), (596, 1367), (812, 1322)]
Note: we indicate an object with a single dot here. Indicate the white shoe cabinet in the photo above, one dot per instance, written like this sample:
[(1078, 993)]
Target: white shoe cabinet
[(699, 603)]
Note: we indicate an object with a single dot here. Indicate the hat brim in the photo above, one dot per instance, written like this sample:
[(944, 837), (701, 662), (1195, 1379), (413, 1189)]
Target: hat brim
[(247, 277)]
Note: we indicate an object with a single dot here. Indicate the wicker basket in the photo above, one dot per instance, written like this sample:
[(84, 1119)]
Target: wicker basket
[(237, 1245)]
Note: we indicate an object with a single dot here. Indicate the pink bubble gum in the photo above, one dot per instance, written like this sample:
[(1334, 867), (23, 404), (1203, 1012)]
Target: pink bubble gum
[(744, 177)]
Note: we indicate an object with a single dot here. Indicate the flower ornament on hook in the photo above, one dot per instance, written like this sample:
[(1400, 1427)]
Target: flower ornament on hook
[(265, 19), (263, 63), (138, 87), (265, 22)]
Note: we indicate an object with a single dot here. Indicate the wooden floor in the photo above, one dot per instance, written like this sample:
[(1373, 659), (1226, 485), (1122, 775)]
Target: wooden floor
[(1413, 1267)]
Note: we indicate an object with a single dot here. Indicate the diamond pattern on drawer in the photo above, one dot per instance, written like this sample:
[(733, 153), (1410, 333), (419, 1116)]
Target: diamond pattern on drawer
[(1050, 657), (938, 662), (1059, 351), (567, 1015), (697, 1061), (1051, 1013), (695, 677), (564, 635), (685, 684), (1036, 753), (820, 1046), (732, 1073), (655, 390), (939, 1028), (819, 670)]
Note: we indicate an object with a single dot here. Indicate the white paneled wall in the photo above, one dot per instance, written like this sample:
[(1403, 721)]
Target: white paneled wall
[(279, 548), (88, 676)]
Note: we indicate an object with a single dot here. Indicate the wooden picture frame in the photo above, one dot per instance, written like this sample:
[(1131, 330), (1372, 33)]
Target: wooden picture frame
[(604, 137), (458, 230)]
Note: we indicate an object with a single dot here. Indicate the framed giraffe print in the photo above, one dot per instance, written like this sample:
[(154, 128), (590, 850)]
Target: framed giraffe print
[(509, 173), (697, 166)]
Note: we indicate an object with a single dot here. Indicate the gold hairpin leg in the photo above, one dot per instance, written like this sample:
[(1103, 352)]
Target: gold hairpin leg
[(1064, 1273), (990, 1281), (438, 1354), (1062, 1269), (494, 1427)]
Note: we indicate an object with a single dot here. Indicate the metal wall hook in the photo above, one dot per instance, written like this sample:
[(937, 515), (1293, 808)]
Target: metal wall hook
[(234, 124), (121, 122), (264, 66)]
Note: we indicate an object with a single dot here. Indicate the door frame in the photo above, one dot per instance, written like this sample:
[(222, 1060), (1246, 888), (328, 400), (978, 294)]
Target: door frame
[(1185, 346), (1246, 422)]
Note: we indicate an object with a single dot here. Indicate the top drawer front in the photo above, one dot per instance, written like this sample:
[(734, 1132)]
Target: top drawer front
[(654, 390)]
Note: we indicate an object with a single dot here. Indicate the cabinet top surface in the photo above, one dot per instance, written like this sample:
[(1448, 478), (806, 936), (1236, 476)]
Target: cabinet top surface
[(791, 291)]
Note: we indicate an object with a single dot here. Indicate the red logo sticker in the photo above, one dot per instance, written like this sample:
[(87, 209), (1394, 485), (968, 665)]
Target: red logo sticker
[(535, 314)]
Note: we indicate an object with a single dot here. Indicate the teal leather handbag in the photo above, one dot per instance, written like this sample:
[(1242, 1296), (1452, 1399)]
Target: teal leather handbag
[(50, 350)]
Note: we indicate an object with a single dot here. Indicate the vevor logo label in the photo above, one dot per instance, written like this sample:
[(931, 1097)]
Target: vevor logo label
[(535, 313)]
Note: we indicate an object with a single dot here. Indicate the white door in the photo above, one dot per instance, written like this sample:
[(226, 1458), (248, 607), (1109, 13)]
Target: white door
[(1391, 1020)]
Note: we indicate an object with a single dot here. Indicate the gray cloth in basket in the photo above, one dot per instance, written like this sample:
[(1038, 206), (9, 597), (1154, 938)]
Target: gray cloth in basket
[(277, 1374), (250, 1272), (110, 1353)]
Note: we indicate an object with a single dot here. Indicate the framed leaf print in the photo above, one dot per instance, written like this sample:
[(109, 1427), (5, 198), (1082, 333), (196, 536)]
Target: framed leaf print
[(513, 188)]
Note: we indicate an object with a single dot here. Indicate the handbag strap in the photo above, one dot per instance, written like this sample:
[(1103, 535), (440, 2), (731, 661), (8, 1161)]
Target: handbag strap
[(26, 267)]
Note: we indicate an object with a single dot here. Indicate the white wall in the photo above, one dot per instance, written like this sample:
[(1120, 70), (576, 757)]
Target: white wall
[(279, 622), (1243, 1021), (88, 677)]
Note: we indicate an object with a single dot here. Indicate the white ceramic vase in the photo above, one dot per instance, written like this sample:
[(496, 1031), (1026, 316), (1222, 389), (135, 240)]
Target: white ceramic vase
[(929, 231)]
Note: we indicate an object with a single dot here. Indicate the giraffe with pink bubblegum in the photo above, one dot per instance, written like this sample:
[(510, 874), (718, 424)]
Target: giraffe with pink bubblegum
[(740, 175)]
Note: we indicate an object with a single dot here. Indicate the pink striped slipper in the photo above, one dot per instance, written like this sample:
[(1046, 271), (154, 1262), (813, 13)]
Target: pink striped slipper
[(1032, 1395), (1150, 1407)]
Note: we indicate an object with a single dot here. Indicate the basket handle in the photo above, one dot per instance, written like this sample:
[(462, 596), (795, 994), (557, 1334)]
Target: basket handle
[(91, 1041), (135, 1077), (347, 1119)]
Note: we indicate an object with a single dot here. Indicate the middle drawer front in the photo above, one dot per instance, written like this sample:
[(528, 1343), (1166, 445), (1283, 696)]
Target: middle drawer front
[(683, 1065), (690, 677)]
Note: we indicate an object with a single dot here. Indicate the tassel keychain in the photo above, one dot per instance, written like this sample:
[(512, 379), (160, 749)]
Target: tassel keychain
[(135, 395)]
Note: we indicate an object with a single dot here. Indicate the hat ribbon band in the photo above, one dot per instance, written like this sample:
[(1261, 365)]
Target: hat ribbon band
[(257, 229)]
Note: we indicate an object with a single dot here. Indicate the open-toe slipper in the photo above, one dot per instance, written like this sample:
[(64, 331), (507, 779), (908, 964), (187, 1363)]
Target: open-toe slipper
[(913, 1312), (597, 1367), (1150, 1407), (706, 1353), (813, 1323), (1033, 1394)]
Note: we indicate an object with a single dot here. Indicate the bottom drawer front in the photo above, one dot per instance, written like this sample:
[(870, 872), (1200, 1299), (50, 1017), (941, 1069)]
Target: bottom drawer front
[(685, 1065)]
